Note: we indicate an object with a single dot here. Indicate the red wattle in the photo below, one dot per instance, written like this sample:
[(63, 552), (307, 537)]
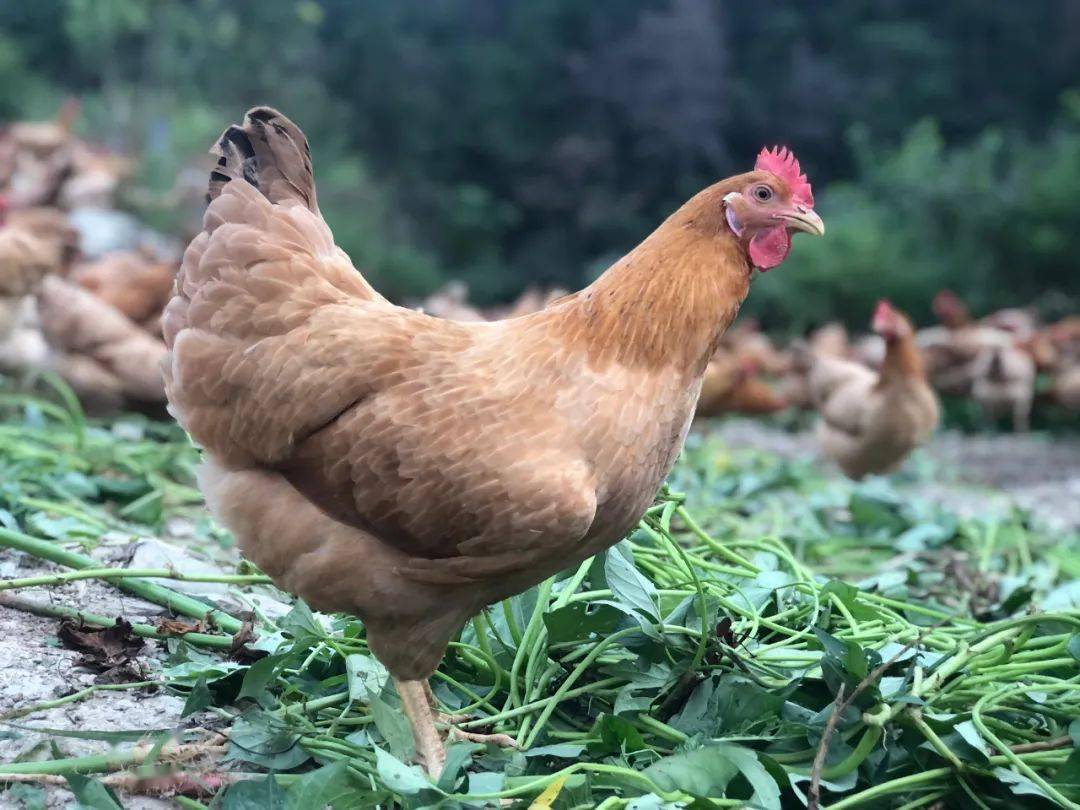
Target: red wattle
[(770, 247)]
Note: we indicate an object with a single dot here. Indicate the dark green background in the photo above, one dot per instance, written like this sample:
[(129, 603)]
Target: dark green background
[(508, 142)]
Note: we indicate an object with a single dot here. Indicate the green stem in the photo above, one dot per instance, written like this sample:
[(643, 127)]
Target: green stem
[(74, 697), (1014, 759), (936, 741), (141, 630), (150, 591), (596, 686), (900, 785), (132, 573), (95, 763), (577, 672)]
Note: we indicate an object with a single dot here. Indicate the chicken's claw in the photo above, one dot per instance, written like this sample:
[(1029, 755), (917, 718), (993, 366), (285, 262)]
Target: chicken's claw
[(501, 740)]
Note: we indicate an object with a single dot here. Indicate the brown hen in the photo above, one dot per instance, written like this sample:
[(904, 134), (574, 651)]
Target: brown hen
[(410, 470), (870, 421), (731, 385), (137, 285), (108, 360)]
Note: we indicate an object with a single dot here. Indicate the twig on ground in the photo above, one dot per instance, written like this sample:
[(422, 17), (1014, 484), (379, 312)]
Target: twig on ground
[(189, 783), (74, 697), (144, 630), (813, 795), (170, 753), (840, 705)]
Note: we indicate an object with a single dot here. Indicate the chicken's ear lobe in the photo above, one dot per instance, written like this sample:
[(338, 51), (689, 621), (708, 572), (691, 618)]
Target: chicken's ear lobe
[(733, 220)]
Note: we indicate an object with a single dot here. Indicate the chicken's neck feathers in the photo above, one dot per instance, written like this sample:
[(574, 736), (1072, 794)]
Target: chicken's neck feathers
[(667, 303), (903, 361)]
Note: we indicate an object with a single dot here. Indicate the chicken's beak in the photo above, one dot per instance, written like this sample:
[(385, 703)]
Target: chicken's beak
[(805, 219)]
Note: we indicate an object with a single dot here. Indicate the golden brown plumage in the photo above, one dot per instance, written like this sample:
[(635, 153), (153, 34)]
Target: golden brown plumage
[(734, 385), (1004, 383), (410, 470), (137, 285), (871, 421), (108, 360)]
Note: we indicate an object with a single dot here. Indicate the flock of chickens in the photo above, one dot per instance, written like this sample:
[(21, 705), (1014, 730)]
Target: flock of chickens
[(93, 318), (875, 393), (72, 304)]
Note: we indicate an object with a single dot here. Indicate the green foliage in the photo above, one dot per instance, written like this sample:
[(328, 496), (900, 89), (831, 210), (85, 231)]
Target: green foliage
[(697, 661), (91, 794), (991, 218)]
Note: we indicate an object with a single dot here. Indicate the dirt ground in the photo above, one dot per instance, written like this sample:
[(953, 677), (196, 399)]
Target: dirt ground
[(35, 668), (972, 473)]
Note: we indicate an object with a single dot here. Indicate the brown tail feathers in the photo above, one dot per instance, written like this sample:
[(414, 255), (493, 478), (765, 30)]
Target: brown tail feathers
[(271, 153)]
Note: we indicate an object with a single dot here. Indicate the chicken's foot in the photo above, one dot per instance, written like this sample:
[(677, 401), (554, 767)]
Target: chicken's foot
[(454, 733), (501, 740)]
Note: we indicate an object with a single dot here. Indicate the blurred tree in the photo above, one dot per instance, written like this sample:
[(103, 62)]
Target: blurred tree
[(992, 219), (509, 142)]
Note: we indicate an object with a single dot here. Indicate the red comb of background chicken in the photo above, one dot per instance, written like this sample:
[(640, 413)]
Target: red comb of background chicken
[(781, 162), (884, 315), (945, 300), (748, 367)]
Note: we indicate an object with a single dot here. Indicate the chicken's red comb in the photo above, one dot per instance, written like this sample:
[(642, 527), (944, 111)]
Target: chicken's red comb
[(749, 366), (884, 314), (781, 162)]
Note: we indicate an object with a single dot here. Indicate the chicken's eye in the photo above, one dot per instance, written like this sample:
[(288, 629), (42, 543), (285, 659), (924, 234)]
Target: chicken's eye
[(762, 193)]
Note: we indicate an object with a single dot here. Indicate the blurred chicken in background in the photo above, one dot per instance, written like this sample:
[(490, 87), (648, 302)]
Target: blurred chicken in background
[(59, 217), (870, 421), (94, 331), (532, 300), (27, 256), (993, 360), (1004, 384), (110, 361), (748, 343), (451, 302), (137, 285)]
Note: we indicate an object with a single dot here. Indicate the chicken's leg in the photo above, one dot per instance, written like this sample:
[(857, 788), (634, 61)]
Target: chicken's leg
[(422, 719), (1021, 414), (502, 740)]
